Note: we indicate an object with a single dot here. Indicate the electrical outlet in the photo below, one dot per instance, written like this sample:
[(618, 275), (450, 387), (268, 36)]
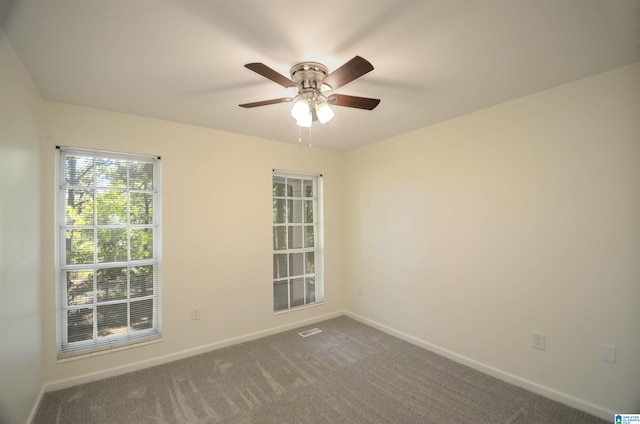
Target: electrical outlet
[(195, 313), (538, 340), (360, 291), (608, 353)]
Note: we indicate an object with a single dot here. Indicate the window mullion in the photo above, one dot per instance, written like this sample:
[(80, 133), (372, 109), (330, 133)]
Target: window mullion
[(304, 290), (95, 250), (289, 293), (128, 224), (289, 213)]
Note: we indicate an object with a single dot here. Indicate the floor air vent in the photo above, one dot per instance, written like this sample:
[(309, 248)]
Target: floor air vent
[(311, 332)]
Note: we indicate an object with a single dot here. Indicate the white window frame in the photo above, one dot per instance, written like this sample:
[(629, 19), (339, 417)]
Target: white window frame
[(312, 280), (126, 338)]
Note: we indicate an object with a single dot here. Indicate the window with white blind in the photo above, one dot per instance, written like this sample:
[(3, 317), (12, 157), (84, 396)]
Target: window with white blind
[(108, 250), (297, 240)]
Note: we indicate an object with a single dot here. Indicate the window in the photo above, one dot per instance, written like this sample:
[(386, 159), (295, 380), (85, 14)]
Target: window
[(297, 240), (108, 250)]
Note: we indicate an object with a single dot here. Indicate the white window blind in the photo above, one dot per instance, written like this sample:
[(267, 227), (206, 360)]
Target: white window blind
[(109, 250), (297, 240)]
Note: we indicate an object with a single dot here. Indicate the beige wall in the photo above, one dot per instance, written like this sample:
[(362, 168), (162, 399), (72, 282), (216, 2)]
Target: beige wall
[(20, 341), (471, 234), (217, 236)]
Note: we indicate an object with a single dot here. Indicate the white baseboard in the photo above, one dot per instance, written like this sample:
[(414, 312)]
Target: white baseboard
[(136, 366), (36, 405), (545, 391)]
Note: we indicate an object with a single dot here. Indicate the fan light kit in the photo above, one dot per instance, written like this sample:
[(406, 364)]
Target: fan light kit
[(312, 80)]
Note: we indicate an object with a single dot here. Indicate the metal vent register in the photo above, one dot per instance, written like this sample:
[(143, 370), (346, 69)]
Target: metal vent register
[(311, 332)]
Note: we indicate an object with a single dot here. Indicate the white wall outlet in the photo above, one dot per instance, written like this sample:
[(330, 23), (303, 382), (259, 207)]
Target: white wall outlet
[(360, 291), (538, 340), (195, 312), (608, 353)]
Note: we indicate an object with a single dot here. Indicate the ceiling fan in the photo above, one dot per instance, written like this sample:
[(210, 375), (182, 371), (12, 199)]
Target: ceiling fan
[(312, 80)]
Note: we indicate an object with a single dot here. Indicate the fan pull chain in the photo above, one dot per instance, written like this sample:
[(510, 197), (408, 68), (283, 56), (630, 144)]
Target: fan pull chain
[(300, 137)]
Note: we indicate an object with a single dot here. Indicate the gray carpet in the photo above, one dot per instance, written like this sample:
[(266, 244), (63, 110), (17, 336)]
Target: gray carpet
[(349, 373)]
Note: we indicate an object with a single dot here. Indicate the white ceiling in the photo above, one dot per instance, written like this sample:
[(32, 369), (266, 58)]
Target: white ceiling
[(182, 60)]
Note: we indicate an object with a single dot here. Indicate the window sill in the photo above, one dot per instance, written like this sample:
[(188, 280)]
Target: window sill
[(298, 308), (106, 351)]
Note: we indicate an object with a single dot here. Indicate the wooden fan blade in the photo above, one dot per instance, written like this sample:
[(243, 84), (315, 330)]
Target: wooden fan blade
[(355, 68), (265, 71), (353, 101), (267, 102)]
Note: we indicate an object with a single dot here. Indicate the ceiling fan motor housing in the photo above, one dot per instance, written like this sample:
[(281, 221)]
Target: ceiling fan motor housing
[(309, 74)]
